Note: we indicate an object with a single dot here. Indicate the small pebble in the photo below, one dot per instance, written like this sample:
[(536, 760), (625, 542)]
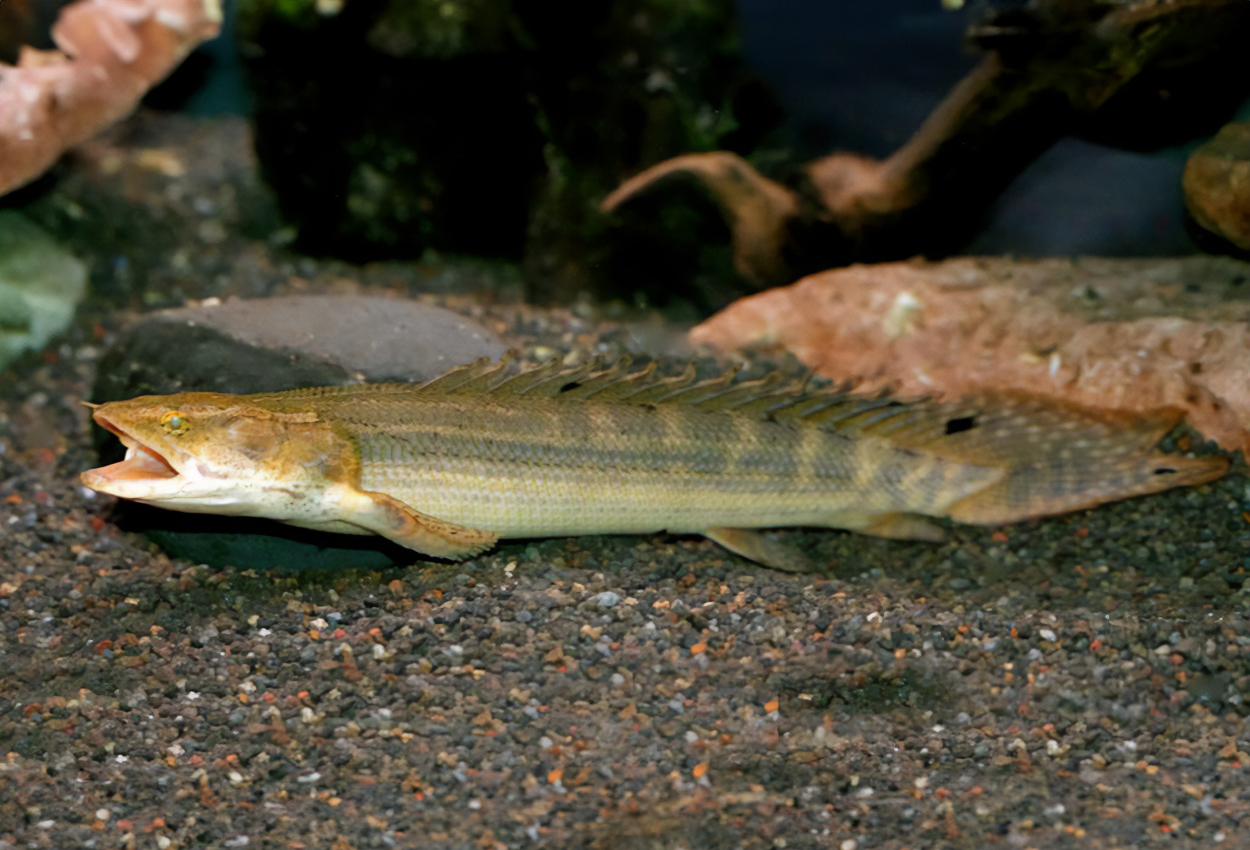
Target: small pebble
[(607, 599)]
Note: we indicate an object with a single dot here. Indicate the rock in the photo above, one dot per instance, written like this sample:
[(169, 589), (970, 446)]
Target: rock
[(284, 343), (271, 345), (607, 599), (1217, 184), (1131, 334), (40, 286)]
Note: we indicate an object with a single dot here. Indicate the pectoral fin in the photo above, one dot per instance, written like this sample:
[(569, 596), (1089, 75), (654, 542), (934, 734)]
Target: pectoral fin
[(756, 547), (394, 520)]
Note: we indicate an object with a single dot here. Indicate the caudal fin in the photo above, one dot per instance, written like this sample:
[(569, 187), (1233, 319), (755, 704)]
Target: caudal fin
[(1062, 458), (1057, 457), (1057, 485)]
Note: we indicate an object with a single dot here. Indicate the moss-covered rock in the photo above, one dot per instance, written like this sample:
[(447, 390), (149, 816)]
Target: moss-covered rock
[(40, 286)]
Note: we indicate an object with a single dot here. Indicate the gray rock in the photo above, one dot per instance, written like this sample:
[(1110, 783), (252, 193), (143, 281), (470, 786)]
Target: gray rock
[(274, 344), (204, 635), (607, 599)]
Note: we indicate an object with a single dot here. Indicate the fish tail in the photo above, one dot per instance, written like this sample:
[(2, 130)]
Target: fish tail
[(1047, 488), (1056, 457)]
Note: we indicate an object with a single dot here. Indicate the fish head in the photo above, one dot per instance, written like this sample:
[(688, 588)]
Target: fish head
[(204, 452)]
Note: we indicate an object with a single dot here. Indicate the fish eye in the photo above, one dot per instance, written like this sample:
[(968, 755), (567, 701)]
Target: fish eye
[(174, 423)]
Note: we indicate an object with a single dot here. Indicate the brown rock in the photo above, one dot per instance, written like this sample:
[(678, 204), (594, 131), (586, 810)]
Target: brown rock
[(1134, 335), (1217, 184)]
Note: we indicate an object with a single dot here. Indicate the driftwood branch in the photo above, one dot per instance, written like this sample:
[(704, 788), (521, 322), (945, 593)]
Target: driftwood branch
[(1217, 185), (756, 209), (1048, 69), (111, 52)]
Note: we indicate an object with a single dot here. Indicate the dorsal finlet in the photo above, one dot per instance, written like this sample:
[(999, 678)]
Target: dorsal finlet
[(469, 374), (776, 396)]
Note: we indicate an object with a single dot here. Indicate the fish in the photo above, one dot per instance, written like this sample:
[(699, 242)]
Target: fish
[(487, 452)]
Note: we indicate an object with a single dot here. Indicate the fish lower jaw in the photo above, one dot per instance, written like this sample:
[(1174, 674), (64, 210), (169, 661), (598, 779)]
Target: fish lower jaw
[(137, 490), (282, 505)]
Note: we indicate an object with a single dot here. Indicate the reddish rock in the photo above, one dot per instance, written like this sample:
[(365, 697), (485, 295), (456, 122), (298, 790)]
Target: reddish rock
[(1133, 335)]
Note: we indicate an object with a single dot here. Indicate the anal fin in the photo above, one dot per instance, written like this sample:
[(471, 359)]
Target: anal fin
[(904, 526), (397, 521), (756, 547), (895, 525)]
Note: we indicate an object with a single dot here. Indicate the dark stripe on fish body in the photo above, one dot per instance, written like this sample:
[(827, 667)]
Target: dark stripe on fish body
[(774, 451), (931, 486), (577, 425), (767, 461), (633, 423)]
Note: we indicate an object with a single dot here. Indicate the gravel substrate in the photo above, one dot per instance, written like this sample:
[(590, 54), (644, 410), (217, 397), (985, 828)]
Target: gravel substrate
[(1077, 682)]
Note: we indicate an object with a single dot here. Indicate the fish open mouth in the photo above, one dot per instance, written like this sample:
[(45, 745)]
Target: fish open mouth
[(142, 463)]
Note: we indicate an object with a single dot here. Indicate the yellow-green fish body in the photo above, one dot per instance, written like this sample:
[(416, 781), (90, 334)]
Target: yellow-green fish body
[(449, 467)]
